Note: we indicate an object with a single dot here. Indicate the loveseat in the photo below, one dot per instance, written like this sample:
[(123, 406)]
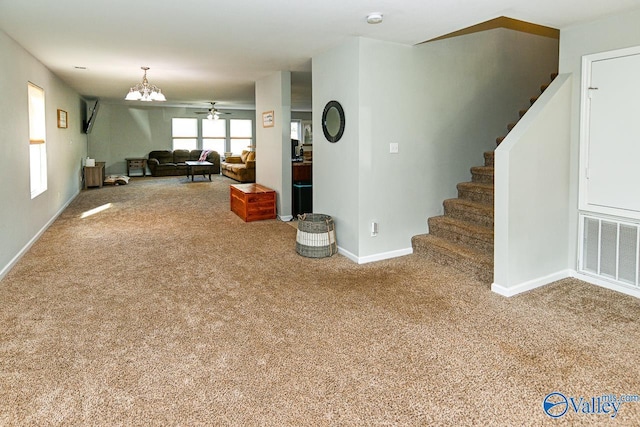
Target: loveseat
[(171, 163), (241, 168)]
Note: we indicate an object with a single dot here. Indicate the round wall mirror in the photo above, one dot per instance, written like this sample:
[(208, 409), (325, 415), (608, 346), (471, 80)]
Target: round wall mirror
[(333, 121)]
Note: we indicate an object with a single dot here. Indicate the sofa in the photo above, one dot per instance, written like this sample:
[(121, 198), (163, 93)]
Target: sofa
[(241, 168), (172, 163)]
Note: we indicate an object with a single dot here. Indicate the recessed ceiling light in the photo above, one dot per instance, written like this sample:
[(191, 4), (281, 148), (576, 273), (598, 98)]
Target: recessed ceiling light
[(374, 18), (77, 67)]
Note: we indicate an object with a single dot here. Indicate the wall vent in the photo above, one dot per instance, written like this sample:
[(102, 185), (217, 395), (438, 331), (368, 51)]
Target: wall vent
[(610, 249)]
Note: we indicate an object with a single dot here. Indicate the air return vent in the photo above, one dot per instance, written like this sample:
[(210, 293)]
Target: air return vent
[(610, 249)]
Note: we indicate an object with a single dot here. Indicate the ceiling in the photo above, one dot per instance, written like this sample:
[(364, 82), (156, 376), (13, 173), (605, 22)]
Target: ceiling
[(204, 50)]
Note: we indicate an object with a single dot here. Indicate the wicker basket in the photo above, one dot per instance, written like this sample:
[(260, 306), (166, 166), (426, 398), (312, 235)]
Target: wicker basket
[(316, 236)]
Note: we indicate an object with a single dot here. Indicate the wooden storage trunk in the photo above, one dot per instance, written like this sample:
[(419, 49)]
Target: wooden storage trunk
[(252, 202)]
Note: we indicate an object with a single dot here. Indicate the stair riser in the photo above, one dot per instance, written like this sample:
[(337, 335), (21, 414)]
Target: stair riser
[(465, 213), (475, 196), (489, 159), (444, 257), (482, 177), (481, 243)]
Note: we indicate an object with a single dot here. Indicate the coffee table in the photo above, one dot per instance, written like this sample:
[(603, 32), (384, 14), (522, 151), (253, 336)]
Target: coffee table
[(198, 167)]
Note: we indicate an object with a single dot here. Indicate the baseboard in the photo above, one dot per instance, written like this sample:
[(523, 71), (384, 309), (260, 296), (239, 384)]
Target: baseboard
[(348, 254), (632, 291), (530, 284), (376, 257), (35, 238)]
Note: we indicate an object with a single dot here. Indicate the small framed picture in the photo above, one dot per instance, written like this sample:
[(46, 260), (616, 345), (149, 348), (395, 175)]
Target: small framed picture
[(267, 119), (62, 119)]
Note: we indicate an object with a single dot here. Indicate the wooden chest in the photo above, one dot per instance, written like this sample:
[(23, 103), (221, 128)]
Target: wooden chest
[(252, 202)]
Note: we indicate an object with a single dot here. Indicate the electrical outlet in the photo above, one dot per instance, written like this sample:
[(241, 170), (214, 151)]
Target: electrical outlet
[(393, 147), (374, 229)]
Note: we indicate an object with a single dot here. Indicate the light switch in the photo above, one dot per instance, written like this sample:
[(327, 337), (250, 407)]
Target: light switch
[(393, 147)]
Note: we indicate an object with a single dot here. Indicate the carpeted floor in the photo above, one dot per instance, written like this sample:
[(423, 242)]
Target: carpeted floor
[(167, 309)]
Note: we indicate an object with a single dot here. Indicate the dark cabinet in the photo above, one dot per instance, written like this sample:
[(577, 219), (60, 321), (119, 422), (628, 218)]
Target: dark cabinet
[(301, 174)]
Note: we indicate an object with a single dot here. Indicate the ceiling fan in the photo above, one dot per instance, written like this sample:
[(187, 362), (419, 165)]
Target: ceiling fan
[(212, 113)]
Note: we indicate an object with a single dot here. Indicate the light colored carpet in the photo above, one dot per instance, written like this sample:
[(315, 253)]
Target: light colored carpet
[(167, 309)]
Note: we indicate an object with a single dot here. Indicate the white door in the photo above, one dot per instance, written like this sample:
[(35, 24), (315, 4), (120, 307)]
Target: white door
[(613, 157)]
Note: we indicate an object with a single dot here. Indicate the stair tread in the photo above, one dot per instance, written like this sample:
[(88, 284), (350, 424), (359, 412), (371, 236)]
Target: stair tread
[(459, 257), (481, 186), (486, 170), (470, 204), (467, 227), (478, 191), (471, 211), (465, 251)]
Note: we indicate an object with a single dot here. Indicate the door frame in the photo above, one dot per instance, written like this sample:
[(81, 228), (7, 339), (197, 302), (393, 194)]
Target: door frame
[(583, 204)]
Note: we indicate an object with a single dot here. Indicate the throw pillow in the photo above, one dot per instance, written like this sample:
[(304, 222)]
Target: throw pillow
[(203, 155), (244, 155)]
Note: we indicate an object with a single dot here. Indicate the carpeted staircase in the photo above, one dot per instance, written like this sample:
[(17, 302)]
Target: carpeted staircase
[(463, 236)]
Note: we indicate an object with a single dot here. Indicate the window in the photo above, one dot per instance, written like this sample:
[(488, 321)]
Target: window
[(184, 133), (221, 135), (214, 135), (37, 140), (295, 129), (241, 134)]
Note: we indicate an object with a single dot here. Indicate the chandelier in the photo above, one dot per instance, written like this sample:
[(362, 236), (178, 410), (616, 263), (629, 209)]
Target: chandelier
[(145, 91)]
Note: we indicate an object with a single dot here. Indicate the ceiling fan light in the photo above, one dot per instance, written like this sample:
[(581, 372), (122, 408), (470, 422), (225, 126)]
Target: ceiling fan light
[(216, 116), (210, 116)]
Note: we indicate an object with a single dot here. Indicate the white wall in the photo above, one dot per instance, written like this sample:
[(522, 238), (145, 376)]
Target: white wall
[(22, 219), (336, 166), (273, 144), (615, 32), (443, 102), (472, 87), (531, 195)]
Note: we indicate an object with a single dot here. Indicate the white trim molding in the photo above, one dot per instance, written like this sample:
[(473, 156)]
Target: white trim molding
[(634, 292), (530, 284), (35, 238), (375, 257)]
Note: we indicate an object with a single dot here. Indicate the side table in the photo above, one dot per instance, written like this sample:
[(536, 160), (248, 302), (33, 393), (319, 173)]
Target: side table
[(136, 163), (93, 175)]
